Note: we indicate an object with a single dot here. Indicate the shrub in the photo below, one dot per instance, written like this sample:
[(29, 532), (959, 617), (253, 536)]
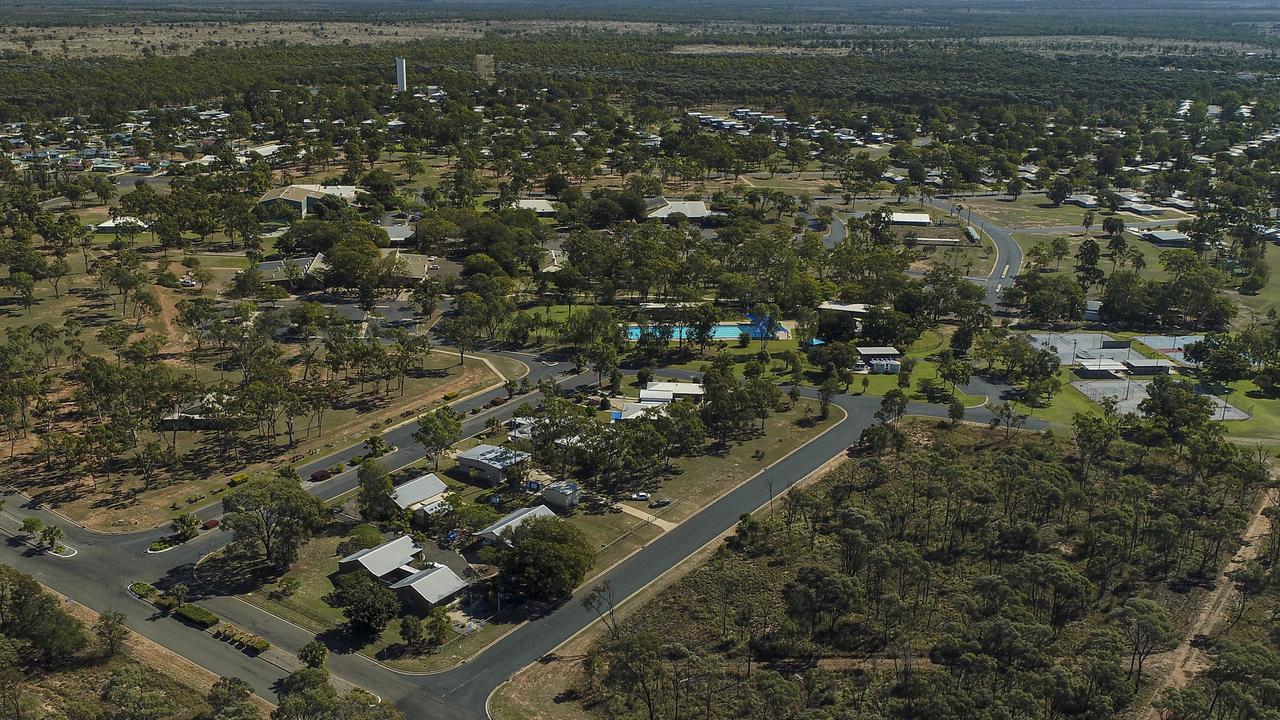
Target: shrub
[(361, 537), (142, 590), (197, 615), (161, 544)]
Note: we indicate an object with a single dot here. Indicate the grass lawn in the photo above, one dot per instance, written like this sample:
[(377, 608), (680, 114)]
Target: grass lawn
[(1063, 406), (1034, 210)]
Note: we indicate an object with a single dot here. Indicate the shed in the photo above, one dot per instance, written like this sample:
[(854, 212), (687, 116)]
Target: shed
[(562, 495), (678, 390), (1099, 368), (921, 219), (1148, 366)]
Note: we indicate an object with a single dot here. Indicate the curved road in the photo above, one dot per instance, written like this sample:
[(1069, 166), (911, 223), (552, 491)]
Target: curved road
[(105, 564)]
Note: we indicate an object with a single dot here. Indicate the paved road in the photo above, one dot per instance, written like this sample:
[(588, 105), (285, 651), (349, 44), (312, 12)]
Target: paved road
[(1008, 253)]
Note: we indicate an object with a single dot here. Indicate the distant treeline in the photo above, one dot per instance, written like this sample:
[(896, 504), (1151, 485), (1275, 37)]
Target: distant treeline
[(1189, 19), (880, 72)]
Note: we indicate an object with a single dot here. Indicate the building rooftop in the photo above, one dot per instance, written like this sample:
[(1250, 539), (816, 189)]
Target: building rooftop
[(513, 520), (432, 584), (499, 457), (418, 490), (386, 557)]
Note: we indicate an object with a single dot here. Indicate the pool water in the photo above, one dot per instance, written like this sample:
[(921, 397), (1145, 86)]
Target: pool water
[(719, 332)]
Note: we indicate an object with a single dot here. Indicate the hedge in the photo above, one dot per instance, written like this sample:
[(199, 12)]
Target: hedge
[(142, 590), (197, 615)]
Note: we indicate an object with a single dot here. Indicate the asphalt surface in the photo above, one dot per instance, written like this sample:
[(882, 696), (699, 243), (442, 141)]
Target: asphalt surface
[(104, 564)]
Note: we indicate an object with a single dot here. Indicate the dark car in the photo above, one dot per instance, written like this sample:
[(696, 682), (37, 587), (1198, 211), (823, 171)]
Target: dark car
[(660, 503), (210, 524), (321, 475)]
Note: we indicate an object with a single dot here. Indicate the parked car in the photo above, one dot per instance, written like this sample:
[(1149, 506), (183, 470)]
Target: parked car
[(210, 524), (321, 475), (660, 503), (640, 496)]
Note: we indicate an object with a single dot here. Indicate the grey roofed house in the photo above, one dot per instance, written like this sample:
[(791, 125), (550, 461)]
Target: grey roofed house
[(513, 520), (400, 234), (1170, 238), (417, 491), (431, 585), (379, 561)]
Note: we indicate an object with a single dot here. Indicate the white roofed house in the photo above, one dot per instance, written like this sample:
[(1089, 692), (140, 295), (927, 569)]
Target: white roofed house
[(905, 218), (540, 206), (676, 390), (494, 464), (667, 210)]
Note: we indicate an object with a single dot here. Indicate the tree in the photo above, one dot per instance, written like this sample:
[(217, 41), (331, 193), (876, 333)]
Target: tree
[(437, 625), (313, 654), (1059, 190), (185, 526), (1146, 629), (275, 515), (438, 431), (111, 632), (1014, 187), (50, 536), (31, 526), (545, 559), (133, 694), (411, 632), (367, 604), (375, 499)]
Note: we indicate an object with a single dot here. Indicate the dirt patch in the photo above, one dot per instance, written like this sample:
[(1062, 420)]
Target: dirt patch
[(1178, 667)]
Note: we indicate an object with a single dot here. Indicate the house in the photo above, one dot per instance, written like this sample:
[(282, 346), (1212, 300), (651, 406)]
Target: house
[(427, 588), (122, 224), (1166, 238), (630, 410), (511, 521), (871, 353), (400, 234), (857, 310), (302, 198), (422, 495), (381, 560), (292, 270), (204, 414), (562, 495), (493, 464), (918, 219), (1138, 208), (540, 206), (1087, 202), (391, 562), (664, 209), (677, 390)]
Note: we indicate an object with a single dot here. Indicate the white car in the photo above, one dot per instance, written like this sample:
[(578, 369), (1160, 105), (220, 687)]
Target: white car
[(640, 496), (187, 283)]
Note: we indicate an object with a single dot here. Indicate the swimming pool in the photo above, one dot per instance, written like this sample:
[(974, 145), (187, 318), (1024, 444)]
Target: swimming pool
[(730, 331)]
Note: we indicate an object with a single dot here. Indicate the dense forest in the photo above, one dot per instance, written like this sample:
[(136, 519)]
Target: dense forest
[(641, 66), (956, 573)]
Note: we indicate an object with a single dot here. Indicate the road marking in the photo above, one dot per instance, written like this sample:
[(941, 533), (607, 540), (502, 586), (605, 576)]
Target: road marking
[(465, 682), (1005, 272)]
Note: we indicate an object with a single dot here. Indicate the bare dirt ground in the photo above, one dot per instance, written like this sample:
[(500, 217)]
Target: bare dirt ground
[(1178, 667)]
